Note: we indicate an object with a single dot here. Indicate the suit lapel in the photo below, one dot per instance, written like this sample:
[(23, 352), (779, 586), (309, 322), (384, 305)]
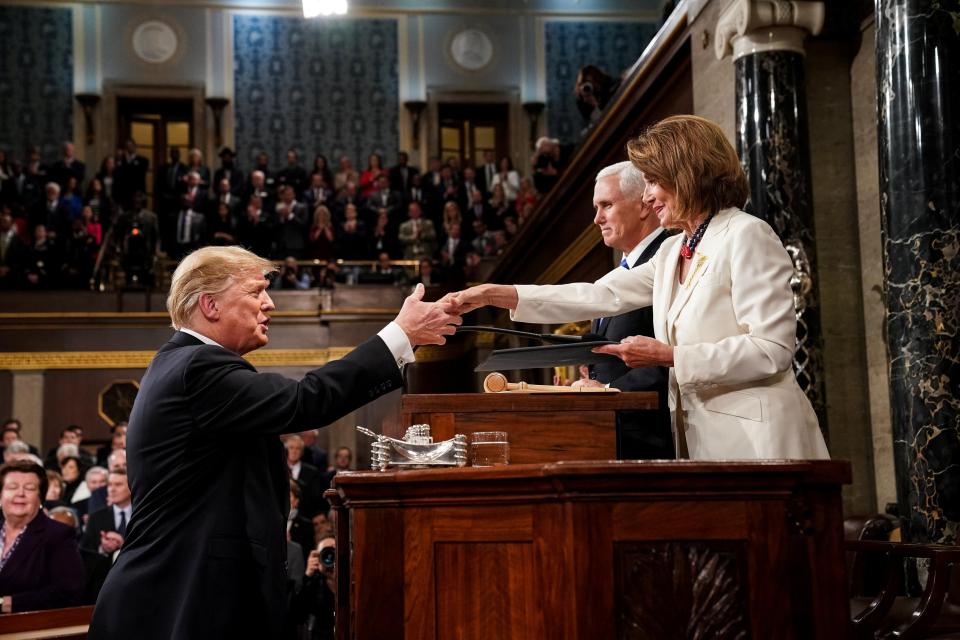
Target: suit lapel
[(708, 247)]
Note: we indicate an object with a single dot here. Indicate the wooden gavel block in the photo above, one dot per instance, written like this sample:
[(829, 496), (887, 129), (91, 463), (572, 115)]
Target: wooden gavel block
[(497, 383)]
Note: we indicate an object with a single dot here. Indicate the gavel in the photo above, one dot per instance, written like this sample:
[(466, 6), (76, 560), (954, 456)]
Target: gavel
[(497, 382)]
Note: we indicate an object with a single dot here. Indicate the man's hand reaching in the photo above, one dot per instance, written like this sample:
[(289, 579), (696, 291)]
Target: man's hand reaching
[(427, 322)]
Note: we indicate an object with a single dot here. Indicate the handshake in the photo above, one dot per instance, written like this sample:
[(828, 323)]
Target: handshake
[(431, 322)]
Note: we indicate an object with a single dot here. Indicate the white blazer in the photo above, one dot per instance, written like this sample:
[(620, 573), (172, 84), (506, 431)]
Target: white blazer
[(733, 394)]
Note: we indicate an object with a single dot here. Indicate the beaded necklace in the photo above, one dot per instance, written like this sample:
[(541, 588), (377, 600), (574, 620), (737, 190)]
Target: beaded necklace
[(690, 245)]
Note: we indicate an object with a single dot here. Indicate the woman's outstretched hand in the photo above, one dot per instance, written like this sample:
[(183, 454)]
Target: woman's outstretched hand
[(640, 351)]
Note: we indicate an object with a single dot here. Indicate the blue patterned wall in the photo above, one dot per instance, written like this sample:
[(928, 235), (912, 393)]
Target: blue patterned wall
[(612, 46), (317, 86), (36, 79)]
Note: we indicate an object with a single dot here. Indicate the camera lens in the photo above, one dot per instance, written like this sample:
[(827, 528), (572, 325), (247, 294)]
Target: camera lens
[(328, 556), (586, 88)]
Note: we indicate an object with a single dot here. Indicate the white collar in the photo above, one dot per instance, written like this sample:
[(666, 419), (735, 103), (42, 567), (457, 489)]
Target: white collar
[(199, 336), (635, 253)]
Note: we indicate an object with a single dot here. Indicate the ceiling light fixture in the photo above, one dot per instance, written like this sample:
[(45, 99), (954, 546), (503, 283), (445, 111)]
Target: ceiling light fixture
[(314, 8)]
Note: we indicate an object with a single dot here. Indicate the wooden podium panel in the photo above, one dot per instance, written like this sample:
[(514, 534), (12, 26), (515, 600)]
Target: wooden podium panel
[(594, 550), (541, 427)]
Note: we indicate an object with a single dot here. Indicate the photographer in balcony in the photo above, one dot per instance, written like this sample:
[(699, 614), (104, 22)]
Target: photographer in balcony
[(593, 91)]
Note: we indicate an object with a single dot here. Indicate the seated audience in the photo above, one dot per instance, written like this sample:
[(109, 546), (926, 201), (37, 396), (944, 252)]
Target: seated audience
[(312, 453), (417, 235), (72, 472), (107, 527), (311, 480), (54, 495), (118, 441), (299, 528), (40, 567), (117, 460)]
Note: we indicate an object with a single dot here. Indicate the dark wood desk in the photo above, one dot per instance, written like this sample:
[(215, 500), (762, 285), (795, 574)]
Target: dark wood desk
[(541, 427), (588, 550)]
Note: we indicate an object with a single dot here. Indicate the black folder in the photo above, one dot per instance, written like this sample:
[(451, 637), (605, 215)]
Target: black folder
[(554, 355)]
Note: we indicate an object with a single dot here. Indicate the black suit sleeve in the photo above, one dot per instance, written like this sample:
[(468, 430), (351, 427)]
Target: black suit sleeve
[(228, 395), (100, 520)]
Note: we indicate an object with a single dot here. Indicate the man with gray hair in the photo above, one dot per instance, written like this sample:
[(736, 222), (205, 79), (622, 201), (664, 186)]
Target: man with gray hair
[(630, 227), (204, 550)]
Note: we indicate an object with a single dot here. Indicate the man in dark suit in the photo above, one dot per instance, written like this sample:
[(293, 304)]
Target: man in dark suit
[(309, 478), (228, 171), (629, 226), (131, 174), (401, 175), (487, 171), (67, 166), (205, 549), (107, 527), (383, 198)]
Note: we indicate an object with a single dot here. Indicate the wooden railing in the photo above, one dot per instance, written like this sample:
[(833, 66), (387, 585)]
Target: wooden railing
[(63, 624)]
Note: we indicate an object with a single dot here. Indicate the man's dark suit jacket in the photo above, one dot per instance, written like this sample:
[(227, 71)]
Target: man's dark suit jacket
[(206, 547), (641, 435), (100, 520), (312, 483), (45, 570)]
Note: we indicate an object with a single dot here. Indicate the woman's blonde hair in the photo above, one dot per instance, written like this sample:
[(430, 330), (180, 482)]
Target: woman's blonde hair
[(691, 157), (321, 215), (210, 270)]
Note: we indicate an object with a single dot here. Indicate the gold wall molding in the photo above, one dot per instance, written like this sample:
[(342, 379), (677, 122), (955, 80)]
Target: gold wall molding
[(576, 252), (60, 360)]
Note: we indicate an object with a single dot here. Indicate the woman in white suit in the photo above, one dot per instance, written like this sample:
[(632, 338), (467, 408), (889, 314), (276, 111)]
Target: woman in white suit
[(723, 310)]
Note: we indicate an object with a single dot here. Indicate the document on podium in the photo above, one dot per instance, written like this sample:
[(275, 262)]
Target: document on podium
[(565, 350)]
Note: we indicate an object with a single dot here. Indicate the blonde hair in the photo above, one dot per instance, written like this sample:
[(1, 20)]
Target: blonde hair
[(209, 270), (691, 157)]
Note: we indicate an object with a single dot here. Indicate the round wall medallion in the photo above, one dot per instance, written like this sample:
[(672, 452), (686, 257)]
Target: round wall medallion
[(155, 41), (471, 49)]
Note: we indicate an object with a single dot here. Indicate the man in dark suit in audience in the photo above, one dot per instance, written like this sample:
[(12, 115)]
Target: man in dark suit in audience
[(630, 226), (383, 198), (292, 175), (487, 171), (205, 549), (98, 497), (228, 171), (167, 189), (316, 193), (67, 166), (107, 527), (310, 478), (401, 175), (131, 174), (312, 453), (466, 188)]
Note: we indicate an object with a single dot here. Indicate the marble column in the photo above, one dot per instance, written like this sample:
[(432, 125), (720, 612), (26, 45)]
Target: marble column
[(766, 40), (918, 96)]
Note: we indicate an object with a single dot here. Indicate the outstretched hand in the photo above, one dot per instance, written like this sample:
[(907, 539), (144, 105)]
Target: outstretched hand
[(497, 295), (640, 351), (427, 322)]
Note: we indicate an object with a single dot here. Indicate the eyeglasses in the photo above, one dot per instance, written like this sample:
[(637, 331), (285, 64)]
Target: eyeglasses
[(28, 488)]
